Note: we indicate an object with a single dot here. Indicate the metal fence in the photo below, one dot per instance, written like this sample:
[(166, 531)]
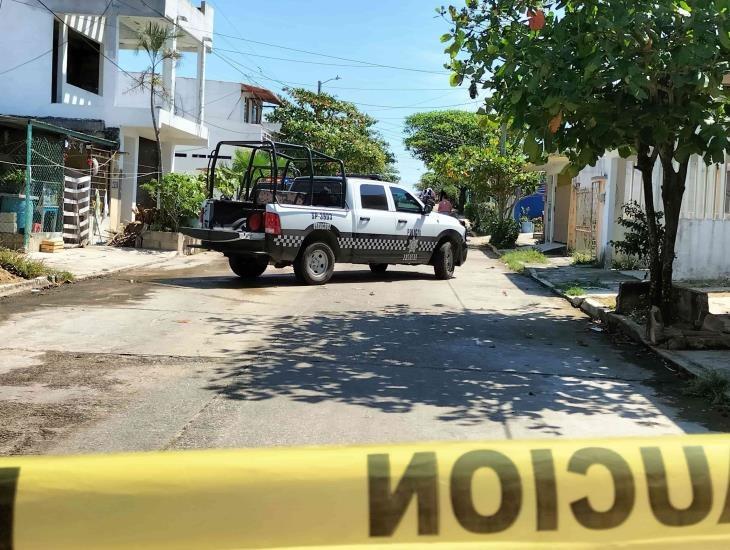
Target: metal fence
[(47, 182)]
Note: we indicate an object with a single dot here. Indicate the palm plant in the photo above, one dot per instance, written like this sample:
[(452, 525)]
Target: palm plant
[(154, 40)]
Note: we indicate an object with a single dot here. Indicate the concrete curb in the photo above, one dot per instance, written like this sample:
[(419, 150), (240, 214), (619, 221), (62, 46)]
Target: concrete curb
[(40, 283), (622, 323)]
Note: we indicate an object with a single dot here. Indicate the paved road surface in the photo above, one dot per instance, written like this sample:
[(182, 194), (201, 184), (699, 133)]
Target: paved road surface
[(187, 356)]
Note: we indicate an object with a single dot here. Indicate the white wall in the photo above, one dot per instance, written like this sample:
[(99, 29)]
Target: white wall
[(224, 115), (703, 249), (27, 32), (703, 240)]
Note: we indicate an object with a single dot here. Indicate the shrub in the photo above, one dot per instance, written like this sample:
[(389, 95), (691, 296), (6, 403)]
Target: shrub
[(181, 196), (712, 386), (504, 233), (636, 239), (583, 258), (13, 181), (626, 263)]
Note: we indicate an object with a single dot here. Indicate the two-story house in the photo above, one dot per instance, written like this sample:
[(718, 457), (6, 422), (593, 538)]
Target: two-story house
[(233, 112), (63, 63)]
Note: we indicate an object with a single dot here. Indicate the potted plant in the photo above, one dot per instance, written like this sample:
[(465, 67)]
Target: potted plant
[(12, 194), (526, 225)]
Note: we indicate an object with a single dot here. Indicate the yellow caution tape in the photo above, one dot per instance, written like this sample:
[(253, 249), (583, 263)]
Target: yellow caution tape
[(627, 493)]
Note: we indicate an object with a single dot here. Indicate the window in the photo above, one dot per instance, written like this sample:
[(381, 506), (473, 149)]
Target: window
[(84, 62), (326, 192), (373, 197), (253, 111), (404, 201)]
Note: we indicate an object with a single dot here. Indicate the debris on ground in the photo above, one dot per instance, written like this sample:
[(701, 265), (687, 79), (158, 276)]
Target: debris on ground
[(127, 238), (6, 277)]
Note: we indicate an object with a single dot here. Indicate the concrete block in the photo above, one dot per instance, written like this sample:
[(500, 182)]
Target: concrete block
[(13, 241), (716, 323), (691, 306), (631, 295), (8, 217), (8, 227)]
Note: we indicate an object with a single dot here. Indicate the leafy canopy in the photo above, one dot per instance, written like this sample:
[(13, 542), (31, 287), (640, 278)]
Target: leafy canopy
[(600, 74), (433, 133), (336, 128), (489, 174)]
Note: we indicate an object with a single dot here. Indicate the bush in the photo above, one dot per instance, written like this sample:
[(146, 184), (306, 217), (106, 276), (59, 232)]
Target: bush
[(636, 239), (181, 196), (503, 233), (583, 258)]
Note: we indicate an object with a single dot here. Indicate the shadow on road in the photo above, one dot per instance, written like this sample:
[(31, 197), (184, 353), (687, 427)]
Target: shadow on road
[(473, 366), (272, 279)]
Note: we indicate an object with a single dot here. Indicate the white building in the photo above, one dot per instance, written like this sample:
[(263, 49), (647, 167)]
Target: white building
[(233, 112), (64, 64), (582, 212)]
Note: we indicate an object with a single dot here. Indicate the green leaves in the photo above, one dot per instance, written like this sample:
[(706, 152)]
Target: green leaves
[(617, 71), (334, 127)]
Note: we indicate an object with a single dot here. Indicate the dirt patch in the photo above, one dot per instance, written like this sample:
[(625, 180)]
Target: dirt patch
[(6, 277), (44, 400)]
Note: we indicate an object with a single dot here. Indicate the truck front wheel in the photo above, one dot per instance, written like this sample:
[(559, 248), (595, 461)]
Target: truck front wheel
[(443, 261), (315, 264), (247, 267)]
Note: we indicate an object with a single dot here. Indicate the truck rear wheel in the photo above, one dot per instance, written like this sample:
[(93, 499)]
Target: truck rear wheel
[(378, 269), (443, 261), (315, 264), (247, 267)]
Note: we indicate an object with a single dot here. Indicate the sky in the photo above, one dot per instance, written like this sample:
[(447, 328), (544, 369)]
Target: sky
[(403, 33)]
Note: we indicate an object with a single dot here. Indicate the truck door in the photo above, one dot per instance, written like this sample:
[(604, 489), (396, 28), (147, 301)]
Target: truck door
[(373, 238), (411, 225)]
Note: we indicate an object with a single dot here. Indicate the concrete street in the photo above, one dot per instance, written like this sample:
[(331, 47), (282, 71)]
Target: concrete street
[(189, 356)]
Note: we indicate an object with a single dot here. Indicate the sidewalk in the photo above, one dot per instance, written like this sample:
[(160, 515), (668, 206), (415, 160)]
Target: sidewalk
[(600, 288), (85, 263)]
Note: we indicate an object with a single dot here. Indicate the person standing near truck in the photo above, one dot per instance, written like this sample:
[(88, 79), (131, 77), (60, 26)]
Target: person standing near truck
[(445, 206)]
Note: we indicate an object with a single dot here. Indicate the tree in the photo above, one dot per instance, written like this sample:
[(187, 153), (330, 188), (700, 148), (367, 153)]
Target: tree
[(336, 128), (437, 133), (643, 77), (490, 175), (153, 40)]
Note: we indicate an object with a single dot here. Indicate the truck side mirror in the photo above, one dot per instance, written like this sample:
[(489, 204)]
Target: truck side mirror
[(428, 208)]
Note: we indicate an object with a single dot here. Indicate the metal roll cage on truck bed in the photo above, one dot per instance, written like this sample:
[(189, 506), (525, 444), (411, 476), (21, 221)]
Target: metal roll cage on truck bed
[(295, 206)]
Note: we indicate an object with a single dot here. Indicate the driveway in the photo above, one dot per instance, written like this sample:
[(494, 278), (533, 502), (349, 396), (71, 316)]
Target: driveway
[(188, 356)]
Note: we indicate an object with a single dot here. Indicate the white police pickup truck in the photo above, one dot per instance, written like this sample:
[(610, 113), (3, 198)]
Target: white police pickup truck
[(312, 222)]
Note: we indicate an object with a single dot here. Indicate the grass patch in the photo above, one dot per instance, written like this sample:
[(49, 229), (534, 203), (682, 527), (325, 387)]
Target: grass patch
[(583, 258), (20, 265), (574, 291), (517, 259), (712, 386)]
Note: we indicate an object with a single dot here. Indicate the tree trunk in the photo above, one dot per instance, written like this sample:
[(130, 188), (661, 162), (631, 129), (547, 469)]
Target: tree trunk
[(157, 136), (673, 184), (645, 163), (462, 199)]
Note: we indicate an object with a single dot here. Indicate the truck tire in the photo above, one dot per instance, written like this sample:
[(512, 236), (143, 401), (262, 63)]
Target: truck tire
[(443, 261), (247, 267), (315, 264), (378, 269), (298, 273)]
